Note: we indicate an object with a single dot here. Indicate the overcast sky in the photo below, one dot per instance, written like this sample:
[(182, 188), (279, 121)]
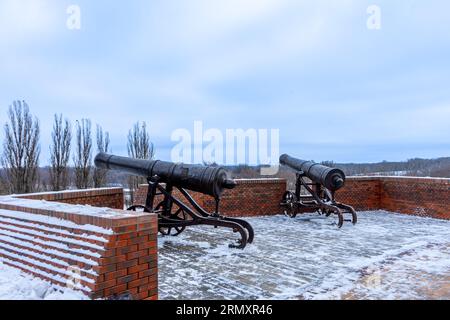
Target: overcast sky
[(335, 89)]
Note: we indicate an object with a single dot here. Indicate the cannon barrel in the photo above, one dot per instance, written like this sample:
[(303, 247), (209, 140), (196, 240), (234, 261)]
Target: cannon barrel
[(331, 178), (205, 179)]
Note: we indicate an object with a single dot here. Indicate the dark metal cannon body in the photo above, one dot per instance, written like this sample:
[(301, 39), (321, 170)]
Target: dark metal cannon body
[(317, 195), (331, 178), (204, 179), (174, 215)]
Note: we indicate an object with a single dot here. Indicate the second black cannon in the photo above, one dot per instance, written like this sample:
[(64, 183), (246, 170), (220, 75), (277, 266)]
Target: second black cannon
[(315, 190)]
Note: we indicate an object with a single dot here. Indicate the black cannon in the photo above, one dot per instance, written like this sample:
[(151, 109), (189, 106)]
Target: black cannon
[(317, 195), (174, 215)]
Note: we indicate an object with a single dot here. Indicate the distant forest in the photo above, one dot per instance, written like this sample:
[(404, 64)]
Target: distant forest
[(414, 167)]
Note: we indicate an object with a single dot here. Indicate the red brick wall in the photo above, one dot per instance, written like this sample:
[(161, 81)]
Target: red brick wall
[(111, 251), (361, 193), (251, 197), (428, 197), (103, 197), (419, 196)]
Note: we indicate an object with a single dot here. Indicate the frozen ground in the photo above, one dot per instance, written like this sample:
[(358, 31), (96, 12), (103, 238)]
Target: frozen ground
[(15, 285), (385, 256)]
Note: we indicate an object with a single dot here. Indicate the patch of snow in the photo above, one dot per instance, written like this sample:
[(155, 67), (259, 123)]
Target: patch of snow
[(86, 191), (50, 229), (43, 234), (57, 245), (67, 271), (364, 176), (16, 285), (67, 208), (12, 244)]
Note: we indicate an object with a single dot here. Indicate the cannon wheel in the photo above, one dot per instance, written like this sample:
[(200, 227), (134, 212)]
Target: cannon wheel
[(179, 215), (289, 204)]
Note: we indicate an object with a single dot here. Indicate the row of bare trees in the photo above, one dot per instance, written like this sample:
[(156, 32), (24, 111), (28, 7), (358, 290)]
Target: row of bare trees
[(20, 171)]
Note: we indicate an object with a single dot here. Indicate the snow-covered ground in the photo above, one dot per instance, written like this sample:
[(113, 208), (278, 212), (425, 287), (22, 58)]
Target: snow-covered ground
[(385, 256), (16, 285)]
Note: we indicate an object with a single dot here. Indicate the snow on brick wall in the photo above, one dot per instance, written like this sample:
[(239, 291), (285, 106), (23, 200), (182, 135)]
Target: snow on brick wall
[(251, 197), (102, 197), (100, 251)]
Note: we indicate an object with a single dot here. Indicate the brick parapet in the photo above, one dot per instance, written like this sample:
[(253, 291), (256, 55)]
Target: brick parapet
[(428, 197), (102, 252)]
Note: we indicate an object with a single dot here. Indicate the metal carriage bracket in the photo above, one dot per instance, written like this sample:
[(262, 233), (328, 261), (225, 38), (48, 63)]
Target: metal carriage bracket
[(174, 215)]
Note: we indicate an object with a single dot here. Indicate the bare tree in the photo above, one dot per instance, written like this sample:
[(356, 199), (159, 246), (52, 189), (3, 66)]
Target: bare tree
[(21, 149), (60, 154), (83, 154), (100, 175), (3, 184), (139, 147)]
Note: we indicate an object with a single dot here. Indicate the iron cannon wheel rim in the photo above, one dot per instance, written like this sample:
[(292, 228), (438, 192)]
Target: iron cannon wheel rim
[(289, 204), (179, 215)]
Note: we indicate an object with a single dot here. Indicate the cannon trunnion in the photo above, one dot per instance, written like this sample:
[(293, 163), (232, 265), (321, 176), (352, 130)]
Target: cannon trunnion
[(174, 214), (317, 195)]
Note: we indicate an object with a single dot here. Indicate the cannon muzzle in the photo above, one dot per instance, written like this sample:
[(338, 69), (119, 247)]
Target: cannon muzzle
[(204, 179), (331, 178)]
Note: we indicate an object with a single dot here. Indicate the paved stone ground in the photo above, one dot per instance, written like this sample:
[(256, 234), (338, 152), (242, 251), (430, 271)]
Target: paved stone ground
[(385, 256)]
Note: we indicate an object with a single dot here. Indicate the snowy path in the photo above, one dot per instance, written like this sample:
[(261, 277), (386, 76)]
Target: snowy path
[(385, 256)]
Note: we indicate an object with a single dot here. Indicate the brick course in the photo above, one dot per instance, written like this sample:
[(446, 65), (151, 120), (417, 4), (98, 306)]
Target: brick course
[(102, 197), (119, 257)]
